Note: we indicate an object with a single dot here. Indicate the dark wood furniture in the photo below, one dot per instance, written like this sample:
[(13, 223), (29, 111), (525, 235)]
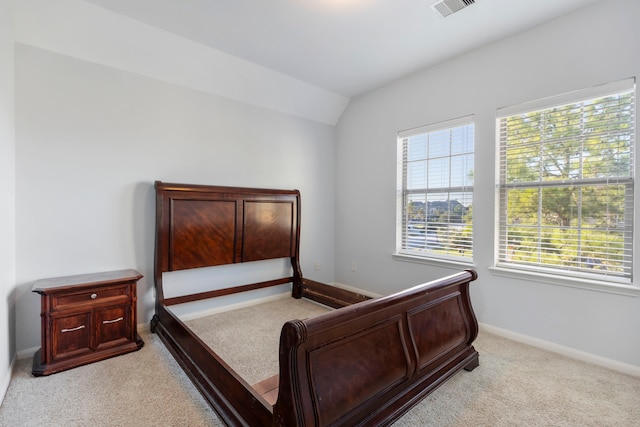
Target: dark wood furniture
[(366, 363), (86, 318)]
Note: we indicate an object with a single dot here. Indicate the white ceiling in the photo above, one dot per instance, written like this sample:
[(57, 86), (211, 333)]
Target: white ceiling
[(345, 46)]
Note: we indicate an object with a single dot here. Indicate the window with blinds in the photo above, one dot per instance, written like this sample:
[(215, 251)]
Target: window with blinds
[(435, 190), (566, 184)]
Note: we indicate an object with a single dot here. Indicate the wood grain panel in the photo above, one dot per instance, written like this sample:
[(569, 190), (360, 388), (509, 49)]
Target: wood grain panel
[(71, 335), (437, 327), (202, 233), (355, 368), (269, 230)]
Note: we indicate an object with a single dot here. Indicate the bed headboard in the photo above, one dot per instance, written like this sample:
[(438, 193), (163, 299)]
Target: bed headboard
[(203, 226)]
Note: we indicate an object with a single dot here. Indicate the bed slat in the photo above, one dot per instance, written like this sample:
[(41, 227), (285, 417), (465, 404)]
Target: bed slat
[(268, 389)]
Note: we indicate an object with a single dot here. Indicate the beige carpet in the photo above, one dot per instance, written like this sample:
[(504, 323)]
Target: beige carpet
[(252, 348), (515, 385)]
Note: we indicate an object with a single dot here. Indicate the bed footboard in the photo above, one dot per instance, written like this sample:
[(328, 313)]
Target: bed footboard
[(369, 363)]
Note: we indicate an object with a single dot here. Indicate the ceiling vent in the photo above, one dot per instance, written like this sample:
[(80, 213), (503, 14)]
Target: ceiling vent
[(448, 7)]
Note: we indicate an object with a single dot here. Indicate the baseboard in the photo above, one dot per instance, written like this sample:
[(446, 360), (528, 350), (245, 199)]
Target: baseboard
[(6, 379), (243, 304), (27, 353), (356, 290), (144, 328), (582, 356)]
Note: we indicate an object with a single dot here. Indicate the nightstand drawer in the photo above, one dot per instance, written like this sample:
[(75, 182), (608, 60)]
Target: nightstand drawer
[(94, 296)]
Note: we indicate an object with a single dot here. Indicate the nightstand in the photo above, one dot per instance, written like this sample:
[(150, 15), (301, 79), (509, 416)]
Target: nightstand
[(86, 318)]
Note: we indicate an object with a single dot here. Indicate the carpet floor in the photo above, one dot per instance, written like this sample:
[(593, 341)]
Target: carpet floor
[(515, 384)]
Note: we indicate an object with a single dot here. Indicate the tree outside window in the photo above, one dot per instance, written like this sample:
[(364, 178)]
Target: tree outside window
[(566, 186)]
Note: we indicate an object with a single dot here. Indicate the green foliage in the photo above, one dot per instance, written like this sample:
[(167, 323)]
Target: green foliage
[(564, 207)]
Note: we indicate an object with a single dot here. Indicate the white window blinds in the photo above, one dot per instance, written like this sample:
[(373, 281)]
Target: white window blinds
[(566, 183), (435, 190)]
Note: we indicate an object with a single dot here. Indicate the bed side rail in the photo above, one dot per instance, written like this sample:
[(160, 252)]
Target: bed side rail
[(328, 295), (368, 363), (235, 402)]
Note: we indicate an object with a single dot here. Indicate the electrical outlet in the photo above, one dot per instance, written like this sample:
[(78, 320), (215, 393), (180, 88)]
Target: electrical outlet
[(354, 266), (317, 266)]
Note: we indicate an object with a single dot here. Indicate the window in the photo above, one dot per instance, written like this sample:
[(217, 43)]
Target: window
[(566, 184), (435, 190)]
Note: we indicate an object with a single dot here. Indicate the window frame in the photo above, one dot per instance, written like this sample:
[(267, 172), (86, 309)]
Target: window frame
[(555, 274), (403, 253)]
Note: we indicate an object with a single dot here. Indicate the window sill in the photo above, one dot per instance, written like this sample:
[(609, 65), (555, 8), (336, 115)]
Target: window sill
[(438, 262), (580, 283)]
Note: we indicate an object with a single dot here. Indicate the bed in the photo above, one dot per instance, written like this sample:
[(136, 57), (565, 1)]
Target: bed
[(365, 363)]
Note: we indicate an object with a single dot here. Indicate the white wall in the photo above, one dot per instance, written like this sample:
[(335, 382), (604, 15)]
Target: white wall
[(83, 30), (92, 139), (595, 45), (7, 203)]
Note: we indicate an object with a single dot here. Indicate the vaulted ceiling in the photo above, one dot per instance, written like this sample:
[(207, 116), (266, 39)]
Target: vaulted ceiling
[(347, 47)]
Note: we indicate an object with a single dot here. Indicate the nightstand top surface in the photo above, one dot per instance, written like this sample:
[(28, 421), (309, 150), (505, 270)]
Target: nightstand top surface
[(91, 279)]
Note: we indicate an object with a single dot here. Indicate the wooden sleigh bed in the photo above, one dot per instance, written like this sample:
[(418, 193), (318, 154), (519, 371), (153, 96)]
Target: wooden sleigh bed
[(365, 363)]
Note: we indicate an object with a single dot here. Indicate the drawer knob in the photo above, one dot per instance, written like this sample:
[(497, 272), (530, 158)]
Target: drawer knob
[(94, 296)]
